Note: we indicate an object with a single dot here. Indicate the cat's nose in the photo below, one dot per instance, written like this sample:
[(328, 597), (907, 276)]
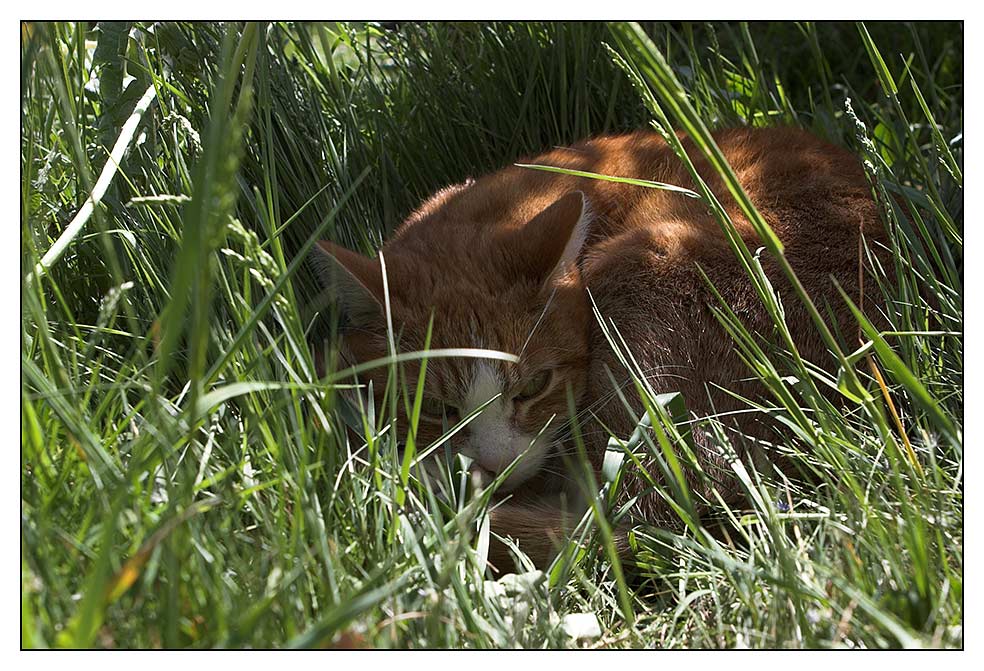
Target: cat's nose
[(490, 458)]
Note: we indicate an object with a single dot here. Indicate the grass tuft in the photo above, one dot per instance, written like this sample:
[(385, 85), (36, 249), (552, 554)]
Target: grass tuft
[(187, 478)]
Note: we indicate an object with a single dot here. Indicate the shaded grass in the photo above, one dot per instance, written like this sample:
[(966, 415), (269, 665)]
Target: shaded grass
[(187, 480)]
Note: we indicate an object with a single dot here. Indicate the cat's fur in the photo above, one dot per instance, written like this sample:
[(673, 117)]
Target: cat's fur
[(505, 262)]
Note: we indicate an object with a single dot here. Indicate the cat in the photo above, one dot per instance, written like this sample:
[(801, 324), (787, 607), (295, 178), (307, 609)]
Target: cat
[(506, 262)]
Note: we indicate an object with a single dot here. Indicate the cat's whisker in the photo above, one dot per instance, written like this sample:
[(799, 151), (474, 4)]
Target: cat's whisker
[(546, 307)]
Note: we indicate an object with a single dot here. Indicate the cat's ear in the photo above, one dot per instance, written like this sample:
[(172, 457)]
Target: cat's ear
[(354, 282), (557, 235)]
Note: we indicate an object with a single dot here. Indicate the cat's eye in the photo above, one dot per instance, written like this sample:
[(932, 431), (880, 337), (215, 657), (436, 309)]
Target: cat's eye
[(534, 386)]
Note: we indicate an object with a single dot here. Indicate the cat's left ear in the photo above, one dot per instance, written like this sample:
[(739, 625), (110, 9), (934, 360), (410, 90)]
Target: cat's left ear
[(557, 235), (354, 281)]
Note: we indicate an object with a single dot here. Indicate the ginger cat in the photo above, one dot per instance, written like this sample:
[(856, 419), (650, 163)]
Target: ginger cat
[(505, 262)]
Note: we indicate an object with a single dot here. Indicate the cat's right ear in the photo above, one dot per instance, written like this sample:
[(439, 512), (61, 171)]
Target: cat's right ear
[(556, 237), (355, 282)]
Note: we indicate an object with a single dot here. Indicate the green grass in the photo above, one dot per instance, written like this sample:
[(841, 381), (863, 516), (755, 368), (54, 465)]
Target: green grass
[(188, 481)]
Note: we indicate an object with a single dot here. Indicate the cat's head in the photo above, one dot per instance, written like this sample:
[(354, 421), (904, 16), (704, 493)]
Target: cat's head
[(496, 278)]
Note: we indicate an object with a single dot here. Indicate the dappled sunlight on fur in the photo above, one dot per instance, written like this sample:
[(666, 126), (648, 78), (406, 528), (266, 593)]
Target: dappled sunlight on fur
[(507, 261)]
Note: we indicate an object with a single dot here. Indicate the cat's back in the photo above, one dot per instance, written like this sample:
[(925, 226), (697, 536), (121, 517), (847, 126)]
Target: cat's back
[(783, 170), (812, 193), (777, 167), (814, 196)]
